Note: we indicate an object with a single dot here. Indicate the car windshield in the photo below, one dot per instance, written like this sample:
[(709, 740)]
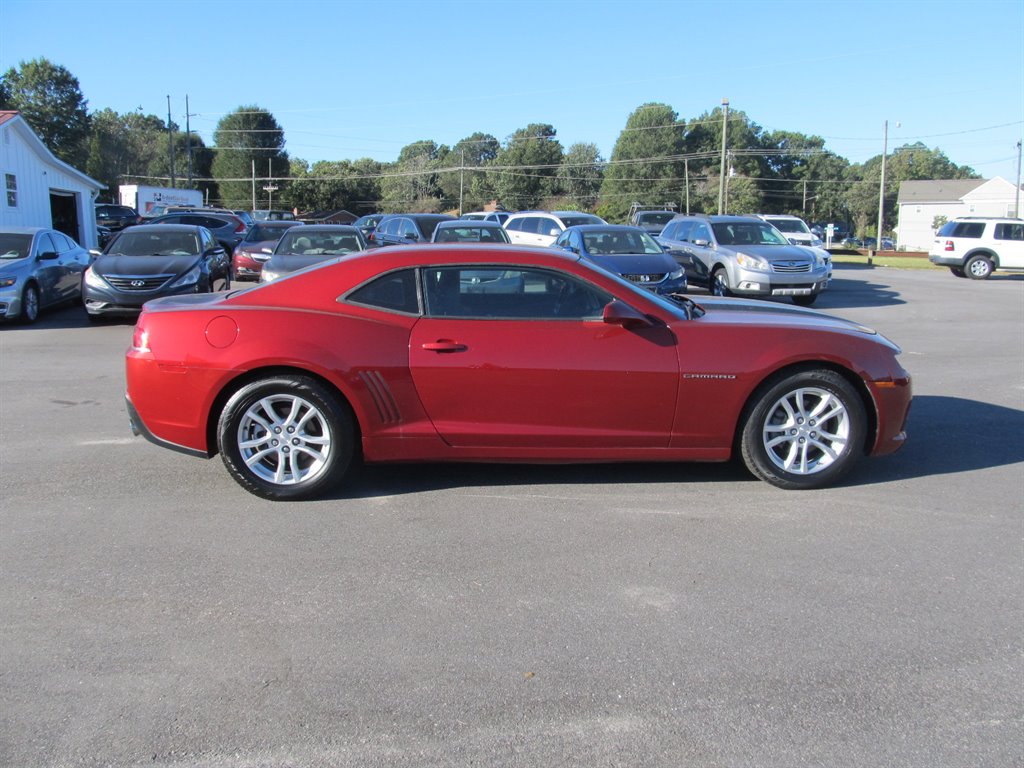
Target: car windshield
[(748, 233), (655, 217), (790, 225), (261, 233), (619, 241), (577, 220), (305, 243), (14, 246), (471, 234), (135, 242)]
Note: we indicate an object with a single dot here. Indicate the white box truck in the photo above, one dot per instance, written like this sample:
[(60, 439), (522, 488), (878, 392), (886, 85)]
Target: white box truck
[(148, 201)]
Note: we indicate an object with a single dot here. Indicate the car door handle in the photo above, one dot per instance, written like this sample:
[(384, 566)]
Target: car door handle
[(444, 346)]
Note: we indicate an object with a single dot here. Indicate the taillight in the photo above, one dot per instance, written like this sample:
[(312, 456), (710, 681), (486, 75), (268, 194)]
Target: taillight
[(240, 229), (949, 245), (140, 338)]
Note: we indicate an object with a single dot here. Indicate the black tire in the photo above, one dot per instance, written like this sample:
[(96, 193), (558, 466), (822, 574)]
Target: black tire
[(29, 304), (720, 283), (788, 446), (979, 267), (958, 271), (805, 301), (305, 420)]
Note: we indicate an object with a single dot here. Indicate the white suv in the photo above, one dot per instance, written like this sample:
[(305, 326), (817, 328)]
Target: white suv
[(794, 228), (543, 227), (975, 246)]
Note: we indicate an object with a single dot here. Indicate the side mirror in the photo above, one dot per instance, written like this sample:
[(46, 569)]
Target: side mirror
[(618, 313), (47, 256), (266, 250), (702, 243), (412, 236)]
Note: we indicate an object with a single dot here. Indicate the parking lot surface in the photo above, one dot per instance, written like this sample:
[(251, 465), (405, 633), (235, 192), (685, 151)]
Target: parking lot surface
[(154, 613)]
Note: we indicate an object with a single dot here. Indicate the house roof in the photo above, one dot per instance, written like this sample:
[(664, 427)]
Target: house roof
[(7, 114), (936, 191), (18, 123)]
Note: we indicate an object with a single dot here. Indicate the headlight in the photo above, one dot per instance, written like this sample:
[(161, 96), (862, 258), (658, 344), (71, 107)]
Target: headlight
[(752, 263), (677, 275), (94, 280), (817, 242), (7, 282), (266, 275), (190, 277)]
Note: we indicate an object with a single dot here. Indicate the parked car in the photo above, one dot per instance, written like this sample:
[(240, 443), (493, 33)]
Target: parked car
[(367, 225), (872, 243), (975, 247), (793, 229), (405, 228), (652, 222), (499, 217), (273, 215), (469, 231), (246, 217), (227, 228), (300, 247), (748, 257), (383, 356), (256, 247), (103, 235), (852, 242), (152, 260), (628, 252), (116, 217), (39, 268), (543, 227)]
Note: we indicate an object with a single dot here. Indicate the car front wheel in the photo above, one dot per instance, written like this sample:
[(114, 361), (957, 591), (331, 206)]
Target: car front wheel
[(720, 283), (979, 267), (286, 438), (804, 431), (30, 304)]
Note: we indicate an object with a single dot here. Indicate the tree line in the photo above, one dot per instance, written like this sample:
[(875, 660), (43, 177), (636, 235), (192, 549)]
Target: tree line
[(659, 159)]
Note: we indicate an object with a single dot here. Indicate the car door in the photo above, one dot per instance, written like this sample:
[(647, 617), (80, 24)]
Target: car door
[(50, 273), (521, 358), (72, 262), (1009, 244)]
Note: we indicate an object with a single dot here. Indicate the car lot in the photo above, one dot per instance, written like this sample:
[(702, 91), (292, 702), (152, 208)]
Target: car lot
[(655, 615)]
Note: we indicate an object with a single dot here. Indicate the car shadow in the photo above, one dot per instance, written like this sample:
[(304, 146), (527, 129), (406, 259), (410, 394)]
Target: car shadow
[(851, 286), (947, 435)]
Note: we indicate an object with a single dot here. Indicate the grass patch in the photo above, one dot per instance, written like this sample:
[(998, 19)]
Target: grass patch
[(885, 260)]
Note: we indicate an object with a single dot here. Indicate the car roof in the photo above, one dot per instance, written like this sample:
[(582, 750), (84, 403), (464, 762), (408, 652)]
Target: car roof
[(163, 228), (446, 224), (314, 228), (605, 228)]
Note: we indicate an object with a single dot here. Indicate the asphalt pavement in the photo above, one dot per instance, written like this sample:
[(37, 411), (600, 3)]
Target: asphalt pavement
[(154, 613)]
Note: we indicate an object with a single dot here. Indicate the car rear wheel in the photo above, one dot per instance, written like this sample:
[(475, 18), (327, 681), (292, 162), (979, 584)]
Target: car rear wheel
[(286, 437), (804, 431), (30, 304), (979, 267), (720, 283)]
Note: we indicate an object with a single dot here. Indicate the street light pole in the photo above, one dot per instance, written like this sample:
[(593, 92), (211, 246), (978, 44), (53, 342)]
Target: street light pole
[(1016, 202), (881, 190)]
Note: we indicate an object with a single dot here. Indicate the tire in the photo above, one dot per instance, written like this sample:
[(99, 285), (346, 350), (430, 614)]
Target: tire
[(785, 442), (29, 304), (720, 283), (805, 301), (979, 267), (958, 271), (268, 423)]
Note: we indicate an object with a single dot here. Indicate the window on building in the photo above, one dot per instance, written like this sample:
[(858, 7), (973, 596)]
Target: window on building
[(12, 190)]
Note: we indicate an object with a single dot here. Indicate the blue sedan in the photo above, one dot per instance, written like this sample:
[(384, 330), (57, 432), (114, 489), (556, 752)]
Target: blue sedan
[(627, 251)]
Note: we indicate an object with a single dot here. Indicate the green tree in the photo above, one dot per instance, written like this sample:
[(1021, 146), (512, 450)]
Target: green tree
[(411, 184), (467, 183), (331, 185), (646, 165), (581, 176), (526, 169), (49, 98), (249, 140)]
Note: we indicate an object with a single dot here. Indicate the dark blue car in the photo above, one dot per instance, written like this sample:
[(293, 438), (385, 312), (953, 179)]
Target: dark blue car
[(626, 251)]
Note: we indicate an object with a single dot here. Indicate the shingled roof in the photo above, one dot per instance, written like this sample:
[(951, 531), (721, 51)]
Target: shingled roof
[(937, 191)]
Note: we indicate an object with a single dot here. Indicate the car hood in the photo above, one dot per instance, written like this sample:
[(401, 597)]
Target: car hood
[(630, 263), (774, 252), (291, 263), (10, 266), (256, 245), (143, 265), (752, 312)]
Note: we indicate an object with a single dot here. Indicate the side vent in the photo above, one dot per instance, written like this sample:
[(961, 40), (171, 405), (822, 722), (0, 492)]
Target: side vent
[(387, 408)]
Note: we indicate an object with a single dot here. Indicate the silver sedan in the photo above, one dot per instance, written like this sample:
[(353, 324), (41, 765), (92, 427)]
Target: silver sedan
[(38, 268)]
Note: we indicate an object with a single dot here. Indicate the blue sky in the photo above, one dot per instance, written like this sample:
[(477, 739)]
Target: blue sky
[(349, 80)]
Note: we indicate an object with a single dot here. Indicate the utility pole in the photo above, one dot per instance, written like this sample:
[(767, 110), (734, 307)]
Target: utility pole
[(1016, 202), (270, 188), (254, 184), (728, 175), (188, 141), (881, 190), (804, 209), (686, 179), (725, 134), (462, 173), (170, 140)]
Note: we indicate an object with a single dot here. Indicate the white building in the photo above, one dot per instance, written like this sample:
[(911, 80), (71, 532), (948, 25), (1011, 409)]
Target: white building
[(40, 190), (920, 202)]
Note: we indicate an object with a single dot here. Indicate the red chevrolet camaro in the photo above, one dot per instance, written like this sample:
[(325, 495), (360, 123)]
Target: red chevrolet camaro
[(495, 353)]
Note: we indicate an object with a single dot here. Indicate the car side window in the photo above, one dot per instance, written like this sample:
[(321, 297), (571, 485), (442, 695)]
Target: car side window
[(502, 292), (393, 292), (532, 224), (563, 240), (44, 244), (62, 241), (408, 229), (516, 225), (669, 232), (700, 231), (1009, 232)]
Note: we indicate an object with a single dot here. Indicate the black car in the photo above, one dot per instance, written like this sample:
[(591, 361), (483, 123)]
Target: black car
[(115, 217), (149, 261), (368, 224), (227, 228), (405, 228)]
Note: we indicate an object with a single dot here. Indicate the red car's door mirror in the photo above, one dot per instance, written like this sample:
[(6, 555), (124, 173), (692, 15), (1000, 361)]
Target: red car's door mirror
[(617, 313)]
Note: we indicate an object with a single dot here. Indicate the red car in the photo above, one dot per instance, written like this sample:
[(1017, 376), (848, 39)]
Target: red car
[(256, 248), (499, 353)]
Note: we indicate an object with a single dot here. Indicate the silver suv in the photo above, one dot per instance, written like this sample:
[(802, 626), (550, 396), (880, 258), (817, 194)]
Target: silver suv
[(976, 246), (747, 256)]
